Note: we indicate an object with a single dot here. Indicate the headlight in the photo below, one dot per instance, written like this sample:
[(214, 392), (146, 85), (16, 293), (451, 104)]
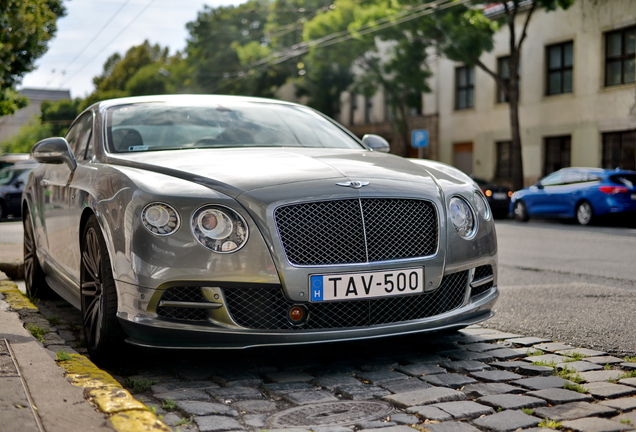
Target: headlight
[(482, 205), (219, 229), (160, 219), (462, 217)]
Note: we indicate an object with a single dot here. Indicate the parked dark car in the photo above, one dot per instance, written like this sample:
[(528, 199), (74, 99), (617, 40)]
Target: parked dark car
[(581, 194), (9, 159), (12, 181), (498, 197)]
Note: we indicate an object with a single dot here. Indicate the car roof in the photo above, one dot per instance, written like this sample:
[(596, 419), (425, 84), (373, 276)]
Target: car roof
[(184, 99)]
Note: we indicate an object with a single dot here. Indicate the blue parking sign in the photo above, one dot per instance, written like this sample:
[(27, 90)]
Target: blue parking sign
[(419, 138)]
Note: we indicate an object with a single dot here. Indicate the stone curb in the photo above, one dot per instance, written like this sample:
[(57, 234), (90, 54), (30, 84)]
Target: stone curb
[(126, 414)]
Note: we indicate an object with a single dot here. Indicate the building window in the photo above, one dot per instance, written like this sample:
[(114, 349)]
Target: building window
[(560, 61), (556, 154), (503, 70), (503, 170), (620, 56), (464, 87), (619, 150)]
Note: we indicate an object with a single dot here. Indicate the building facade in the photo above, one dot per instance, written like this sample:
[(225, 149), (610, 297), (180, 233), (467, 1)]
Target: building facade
[(9, 125), (577, 96)]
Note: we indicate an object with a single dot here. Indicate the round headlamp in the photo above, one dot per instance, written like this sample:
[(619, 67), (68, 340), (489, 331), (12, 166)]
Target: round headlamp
[(160, 219), (462, 217), (219, 228), (482, 205)]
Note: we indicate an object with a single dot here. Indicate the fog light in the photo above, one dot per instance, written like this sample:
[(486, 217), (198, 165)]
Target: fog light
[(297, 315)]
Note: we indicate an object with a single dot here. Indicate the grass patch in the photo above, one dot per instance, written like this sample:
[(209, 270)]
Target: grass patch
[(534, 353), (139, 385), (630, 374), (54, 321), (625, 421), (62, 356), (550, 424), (527, 411), (169, 404), (575, 387), (569, 374), (576, 356), (33, 299), (630, 359), (551, 364), (37, 331), (184, 421)]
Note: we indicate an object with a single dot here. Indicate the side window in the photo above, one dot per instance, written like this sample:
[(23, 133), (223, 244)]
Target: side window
[(572, 177), (553, 179), (79, 135)]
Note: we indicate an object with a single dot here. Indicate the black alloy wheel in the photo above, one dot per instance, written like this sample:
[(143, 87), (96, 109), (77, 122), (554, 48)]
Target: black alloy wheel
[(34, 277), (102, 331), (521, 212)]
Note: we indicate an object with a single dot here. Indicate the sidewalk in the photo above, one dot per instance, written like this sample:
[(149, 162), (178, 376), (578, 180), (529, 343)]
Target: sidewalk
[(34, 394)]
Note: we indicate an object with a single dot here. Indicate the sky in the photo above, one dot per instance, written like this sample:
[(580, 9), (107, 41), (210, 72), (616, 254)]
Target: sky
[(93, 30)]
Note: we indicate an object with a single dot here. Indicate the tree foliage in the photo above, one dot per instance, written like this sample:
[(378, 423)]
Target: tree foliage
[(26, 26), (222, 42)]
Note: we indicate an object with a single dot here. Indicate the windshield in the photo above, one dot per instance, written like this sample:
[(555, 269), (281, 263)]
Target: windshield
[(162, 126)]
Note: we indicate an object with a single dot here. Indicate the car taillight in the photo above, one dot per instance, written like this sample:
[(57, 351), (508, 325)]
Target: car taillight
[(613, 190)]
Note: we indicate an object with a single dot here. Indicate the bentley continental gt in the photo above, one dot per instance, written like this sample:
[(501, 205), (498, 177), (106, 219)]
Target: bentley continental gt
[(233, 222)]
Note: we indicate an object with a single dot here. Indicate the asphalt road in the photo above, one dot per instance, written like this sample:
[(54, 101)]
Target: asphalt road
[(569, 283)]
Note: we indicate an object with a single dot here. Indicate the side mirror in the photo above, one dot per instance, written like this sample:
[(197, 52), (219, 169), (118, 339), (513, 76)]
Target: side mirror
[(54, 151), (376, 142)]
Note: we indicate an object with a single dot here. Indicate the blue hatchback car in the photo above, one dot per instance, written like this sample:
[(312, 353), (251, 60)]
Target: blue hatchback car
[(577, 193)]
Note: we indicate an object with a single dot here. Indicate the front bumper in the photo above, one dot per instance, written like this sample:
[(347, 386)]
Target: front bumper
[(467, 298)]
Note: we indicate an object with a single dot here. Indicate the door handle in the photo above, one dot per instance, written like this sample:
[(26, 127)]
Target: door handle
[(45, 183)]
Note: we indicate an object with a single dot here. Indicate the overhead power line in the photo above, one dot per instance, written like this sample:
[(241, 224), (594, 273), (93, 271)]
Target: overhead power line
[(342, 36), (99, 52)]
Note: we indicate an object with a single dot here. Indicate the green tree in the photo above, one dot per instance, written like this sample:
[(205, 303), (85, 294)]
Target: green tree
[(57, 116), (26, 26), (119, 71), (27, 135), (464, 33), (392, 58), (222, 41)]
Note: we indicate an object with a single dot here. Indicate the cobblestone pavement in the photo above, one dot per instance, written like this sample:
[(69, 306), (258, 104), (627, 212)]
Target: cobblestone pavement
[(474, 380)]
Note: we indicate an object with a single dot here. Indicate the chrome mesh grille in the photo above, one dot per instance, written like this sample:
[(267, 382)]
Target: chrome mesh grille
[(482, 272), (183, 294), (266, 309), (357, 230)]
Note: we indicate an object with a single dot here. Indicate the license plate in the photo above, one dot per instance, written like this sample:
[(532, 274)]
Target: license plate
[(352, 286), (500, 195)]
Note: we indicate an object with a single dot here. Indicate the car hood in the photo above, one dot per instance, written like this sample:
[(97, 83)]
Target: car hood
[(236, 171)]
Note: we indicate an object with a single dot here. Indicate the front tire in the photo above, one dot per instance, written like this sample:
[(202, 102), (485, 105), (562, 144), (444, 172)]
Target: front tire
[(584, 213), (102, 331), (520, 212), (34, 277)]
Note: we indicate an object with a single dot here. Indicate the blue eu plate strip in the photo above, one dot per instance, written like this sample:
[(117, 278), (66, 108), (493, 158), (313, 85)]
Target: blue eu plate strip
[(316, 288)]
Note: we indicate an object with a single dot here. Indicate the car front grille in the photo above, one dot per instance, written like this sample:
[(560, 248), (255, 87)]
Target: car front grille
[(266, 309), (357, 230)]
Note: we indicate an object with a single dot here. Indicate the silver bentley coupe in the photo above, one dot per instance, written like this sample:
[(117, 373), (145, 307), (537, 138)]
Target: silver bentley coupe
[(233, 222)]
